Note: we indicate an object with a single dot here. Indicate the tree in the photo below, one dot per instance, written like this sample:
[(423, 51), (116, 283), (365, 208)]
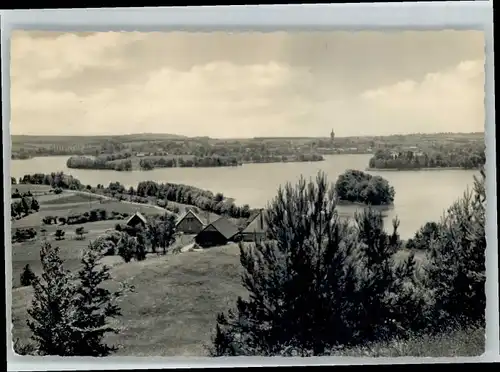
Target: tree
[(153, 234), (25, 205), (95, 306), (358, 187), (456, 259), (51, 308), (140, 247), (166, 231), (387, 311), (80, 232), (126, 247), (59, 234), (301, 283), (35, 206), (27, 276), (424, 236)]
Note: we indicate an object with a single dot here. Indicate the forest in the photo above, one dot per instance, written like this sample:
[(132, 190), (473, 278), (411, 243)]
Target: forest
[(464, 157)]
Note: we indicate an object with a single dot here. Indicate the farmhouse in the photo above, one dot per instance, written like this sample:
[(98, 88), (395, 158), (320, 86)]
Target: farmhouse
[(256, 229), (219, 232), (137, 219), (191, 223)]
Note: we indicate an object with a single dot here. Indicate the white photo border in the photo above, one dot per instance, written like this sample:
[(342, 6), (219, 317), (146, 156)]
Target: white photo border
[(463, 15)]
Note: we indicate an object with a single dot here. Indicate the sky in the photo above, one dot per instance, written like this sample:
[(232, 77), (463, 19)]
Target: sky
[(234, 85)]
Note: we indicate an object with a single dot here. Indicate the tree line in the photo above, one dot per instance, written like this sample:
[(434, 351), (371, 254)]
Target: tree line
[(112, 162), (466, 158), (184, 194), (54, 179)]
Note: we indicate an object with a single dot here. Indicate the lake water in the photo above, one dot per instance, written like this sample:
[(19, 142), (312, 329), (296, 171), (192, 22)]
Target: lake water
[(421, 196)]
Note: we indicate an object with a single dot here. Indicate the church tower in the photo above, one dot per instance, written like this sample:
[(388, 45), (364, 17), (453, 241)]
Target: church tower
[(332, 136)]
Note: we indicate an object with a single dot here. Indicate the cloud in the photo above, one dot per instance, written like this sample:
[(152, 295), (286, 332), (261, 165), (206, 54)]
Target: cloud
[(451, 100), (236, 100), (252, 84)]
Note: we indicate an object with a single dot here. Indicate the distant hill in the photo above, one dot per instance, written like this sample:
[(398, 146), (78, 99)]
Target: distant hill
[(77, 139), (19, 139)]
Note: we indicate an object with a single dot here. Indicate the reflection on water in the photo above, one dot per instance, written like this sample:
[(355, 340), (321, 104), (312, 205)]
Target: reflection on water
[(421, 196)]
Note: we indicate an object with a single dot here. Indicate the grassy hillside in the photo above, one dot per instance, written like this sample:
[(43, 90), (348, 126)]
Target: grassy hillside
[(172, 310)]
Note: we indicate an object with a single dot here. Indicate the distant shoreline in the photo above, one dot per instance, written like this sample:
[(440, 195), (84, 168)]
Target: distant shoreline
[(414, 169)]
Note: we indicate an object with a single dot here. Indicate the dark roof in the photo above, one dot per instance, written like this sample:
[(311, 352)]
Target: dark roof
[(225, 227), (137, 215), (190, 212), (255, 223)]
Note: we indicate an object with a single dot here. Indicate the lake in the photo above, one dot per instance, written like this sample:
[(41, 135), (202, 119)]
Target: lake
[(421, 196)]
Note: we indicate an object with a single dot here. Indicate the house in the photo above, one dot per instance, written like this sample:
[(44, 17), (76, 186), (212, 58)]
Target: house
[(256, 229), (219, 232), (137, 219), (190, 223)]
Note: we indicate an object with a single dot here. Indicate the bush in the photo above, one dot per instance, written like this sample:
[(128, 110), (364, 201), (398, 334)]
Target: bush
[(27, 276), (423, 237), (24, 349), (126, 247), (21, 235), (48, 220), (57, 190), (59, 234), (80, 232)]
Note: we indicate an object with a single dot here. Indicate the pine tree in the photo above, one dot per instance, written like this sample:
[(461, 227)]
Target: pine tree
[(51, 309), (95, 306), (301, 283), (390, 296), (456, 269)]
